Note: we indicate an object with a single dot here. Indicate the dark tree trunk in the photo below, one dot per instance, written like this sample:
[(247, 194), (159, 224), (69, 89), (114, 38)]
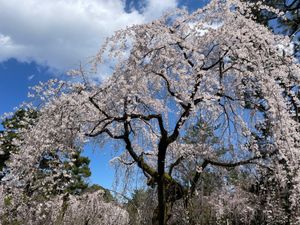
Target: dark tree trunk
[(161, 189)]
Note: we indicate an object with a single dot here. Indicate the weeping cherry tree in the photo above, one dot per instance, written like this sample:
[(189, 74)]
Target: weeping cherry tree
[(216, 64)]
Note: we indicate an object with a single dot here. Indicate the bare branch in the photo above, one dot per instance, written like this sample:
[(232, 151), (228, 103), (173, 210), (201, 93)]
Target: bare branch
[(172, 93), (91, 99), (176, 163)]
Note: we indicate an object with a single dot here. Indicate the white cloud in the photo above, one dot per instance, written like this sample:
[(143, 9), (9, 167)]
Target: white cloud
[(30, 77), (61, 33), (155, 8)]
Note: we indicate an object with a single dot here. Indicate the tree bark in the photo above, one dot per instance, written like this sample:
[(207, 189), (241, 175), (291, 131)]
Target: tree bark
[(161, 192)]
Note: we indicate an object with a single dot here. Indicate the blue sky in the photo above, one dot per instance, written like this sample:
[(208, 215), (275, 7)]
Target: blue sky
[(43, 39)]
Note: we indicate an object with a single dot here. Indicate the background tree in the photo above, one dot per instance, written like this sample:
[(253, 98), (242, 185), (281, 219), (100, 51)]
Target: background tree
[(8, 135), (86, 208), (140, 206), (107, 196), (34, 206), (77, 166)]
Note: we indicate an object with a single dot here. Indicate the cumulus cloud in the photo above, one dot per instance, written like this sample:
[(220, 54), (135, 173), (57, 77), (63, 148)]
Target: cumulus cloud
[(62, 33), (155, 8)]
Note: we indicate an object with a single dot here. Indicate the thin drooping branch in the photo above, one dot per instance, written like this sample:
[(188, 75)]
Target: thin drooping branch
[(184, 116), (233, 164), (104, 129), (197, 177), (138, 159), (107, 131), (207, 162), (91, 99), (99, 123), (215, 63), (125, 162), (152, 50), (150, 117), (171, 92), (176, 163), (182, 119), (185, 55)]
